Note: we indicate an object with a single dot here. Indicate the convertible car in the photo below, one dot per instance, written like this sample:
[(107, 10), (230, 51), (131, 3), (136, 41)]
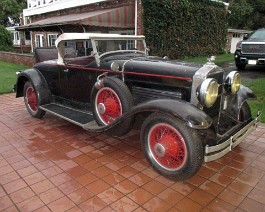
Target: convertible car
[(187, 113)]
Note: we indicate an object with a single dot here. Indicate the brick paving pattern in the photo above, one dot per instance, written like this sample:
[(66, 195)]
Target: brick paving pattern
[(52, 165)]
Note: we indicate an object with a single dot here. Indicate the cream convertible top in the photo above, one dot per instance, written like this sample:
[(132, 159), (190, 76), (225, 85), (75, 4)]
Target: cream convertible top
[(86, 36)]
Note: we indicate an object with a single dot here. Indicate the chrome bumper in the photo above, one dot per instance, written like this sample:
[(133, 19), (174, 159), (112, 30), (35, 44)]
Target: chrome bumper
[(218, 151)]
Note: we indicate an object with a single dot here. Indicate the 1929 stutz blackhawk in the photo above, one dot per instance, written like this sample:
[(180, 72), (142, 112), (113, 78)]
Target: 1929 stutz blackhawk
[(187, 113)]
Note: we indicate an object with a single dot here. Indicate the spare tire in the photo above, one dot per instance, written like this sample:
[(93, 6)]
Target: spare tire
[(110, 102)]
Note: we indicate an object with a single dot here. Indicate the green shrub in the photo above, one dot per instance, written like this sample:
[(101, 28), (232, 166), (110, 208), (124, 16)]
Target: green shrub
[(180, 28), (6, 43)]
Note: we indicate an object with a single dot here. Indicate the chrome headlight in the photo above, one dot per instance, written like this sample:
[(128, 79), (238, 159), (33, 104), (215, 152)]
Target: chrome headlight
[(207, 93), (232, 82)]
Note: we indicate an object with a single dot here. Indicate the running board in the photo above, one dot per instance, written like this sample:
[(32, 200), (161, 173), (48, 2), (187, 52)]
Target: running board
[(82, 119)]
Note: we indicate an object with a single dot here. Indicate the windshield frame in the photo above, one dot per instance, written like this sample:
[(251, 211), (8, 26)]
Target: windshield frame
[(98, 56)]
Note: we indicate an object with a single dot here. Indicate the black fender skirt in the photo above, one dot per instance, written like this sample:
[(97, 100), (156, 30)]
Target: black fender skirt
[(39, 83)]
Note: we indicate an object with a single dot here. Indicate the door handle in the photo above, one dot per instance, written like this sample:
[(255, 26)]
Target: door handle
[(66, 70)]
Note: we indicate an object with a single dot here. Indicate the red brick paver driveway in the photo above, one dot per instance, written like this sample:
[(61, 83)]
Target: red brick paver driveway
[(52, 165)]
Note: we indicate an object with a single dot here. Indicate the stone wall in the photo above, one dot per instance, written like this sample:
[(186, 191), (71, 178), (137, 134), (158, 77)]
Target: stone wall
[(21, 59)]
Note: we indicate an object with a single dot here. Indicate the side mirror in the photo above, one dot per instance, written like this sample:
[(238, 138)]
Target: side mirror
[(245, 37)]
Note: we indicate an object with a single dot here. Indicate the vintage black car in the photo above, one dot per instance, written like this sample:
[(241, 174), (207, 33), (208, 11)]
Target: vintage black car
[(251, 51), (187, 113)]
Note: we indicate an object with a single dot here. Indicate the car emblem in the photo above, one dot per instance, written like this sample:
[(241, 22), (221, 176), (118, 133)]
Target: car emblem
[(254, 48)]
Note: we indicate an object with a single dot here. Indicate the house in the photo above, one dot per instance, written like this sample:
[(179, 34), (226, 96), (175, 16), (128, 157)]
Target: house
[(234, 36), (44, 20), (21, 40)]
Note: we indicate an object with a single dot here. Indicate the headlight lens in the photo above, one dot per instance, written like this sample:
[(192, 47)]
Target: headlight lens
[(208, 92), (233, 82)]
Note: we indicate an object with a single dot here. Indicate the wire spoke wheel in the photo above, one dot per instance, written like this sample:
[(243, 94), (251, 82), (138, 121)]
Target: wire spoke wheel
[(108, 105), (171, 147), (167, 146), (31, 99)]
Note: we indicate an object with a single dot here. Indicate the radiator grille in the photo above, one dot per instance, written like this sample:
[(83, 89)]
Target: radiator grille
[(253, 48), (141, 94)]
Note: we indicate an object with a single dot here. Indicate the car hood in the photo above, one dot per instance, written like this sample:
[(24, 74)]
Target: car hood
[(160, 66), (254, 40)]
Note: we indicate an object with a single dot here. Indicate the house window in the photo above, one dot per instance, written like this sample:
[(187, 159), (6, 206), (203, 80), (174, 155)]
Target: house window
[(16, 36), (51, 39), (27, 35), (39, 40), (235, 35)]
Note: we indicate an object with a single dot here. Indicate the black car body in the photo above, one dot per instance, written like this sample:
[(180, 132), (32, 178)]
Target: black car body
[(251, 51), (187, 113)]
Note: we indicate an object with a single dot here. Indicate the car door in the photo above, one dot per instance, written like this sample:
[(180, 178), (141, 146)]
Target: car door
[(78, 83)]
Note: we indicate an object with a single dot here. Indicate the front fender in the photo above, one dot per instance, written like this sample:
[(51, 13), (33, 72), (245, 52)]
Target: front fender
[(236, 101), (39, 83), (191, 115)]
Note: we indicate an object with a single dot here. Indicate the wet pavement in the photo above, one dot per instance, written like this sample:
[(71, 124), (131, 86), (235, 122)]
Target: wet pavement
[(52, 165)]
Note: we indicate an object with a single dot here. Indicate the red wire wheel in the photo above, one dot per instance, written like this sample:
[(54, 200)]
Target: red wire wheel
[(108, 105), (171, 147), (110, 102), (167, 146), (31, 99)]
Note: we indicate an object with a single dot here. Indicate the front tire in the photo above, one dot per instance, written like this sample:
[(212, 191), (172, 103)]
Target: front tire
[(244, 112), (173, 149), (31, 100)]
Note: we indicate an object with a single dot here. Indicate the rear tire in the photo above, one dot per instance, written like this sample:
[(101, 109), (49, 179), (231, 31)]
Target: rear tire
[(173, 149), (31, 100)]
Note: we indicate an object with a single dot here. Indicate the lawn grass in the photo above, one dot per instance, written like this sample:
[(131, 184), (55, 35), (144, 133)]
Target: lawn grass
[(257, 86), (220, 59), (8, 76)]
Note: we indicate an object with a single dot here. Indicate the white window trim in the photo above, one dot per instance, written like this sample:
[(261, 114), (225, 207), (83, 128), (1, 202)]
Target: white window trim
[(56, 34), (41, 35)]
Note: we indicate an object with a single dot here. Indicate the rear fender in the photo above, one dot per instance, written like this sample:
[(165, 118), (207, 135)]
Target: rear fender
[(39, 83)]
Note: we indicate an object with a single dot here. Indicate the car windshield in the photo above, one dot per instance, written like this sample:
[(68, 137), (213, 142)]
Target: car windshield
[(104, 46), (258, 34)]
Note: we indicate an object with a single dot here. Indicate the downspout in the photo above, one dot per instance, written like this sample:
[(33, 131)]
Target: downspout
[(135, 21), (31, 41), (136, 17)]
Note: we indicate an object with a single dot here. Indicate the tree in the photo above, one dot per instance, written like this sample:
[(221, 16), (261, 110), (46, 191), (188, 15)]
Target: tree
[(5, 39), (241, 14), (241, 17), (11, 9), (258, 14)]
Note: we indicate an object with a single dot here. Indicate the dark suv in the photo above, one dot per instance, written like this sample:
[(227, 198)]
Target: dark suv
[(251, 51)]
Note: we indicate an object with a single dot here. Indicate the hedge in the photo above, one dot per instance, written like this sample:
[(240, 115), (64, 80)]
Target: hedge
[(179, 28), (6, 42)]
